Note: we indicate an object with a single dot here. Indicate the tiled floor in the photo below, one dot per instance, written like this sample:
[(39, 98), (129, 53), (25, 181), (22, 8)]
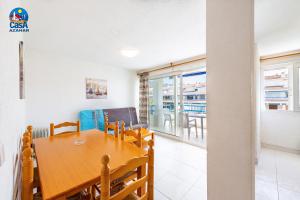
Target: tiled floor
[(180, 170), (183, 134), (199, 141), (278, 176), (180, 173)]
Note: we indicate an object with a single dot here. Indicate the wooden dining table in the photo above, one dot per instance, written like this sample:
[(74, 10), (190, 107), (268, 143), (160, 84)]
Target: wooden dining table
[(69, 163)]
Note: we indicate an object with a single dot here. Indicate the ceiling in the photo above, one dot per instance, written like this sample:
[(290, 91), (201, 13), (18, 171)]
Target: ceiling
[(162, 30), (277, 25)]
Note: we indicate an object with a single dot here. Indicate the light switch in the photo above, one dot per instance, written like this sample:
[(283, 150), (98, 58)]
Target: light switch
[(2, 154)]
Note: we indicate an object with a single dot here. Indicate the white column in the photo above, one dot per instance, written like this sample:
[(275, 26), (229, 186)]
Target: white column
[(230, 49), (256, 97)]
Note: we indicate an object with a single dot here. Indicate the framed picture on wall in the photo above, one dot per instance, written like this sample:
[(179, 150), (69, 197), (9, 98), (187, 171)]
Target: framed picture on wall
[(96, 88)]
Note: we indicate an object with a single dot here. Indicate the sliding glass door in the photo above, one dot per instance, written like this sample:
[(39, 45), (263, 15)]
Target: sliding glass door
[(162, 101), (177, 105), (192, 109)]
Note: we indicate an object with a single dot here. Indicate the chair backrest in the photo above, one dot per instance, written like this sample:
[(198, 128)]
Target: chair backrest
[(65, 124), (146, 133), (111, 126), (137, 134), (25, 141), (134, 164), (27, 174), (29, 130)]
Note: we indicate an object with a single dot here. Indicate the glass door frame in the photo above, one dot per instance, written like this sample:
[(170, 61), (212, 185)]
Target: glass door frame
[(175, 94)]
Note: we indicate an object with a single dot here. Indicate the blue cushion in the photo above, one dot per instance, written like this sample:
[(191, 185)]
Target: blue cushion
[(100, 119), (87, 120)]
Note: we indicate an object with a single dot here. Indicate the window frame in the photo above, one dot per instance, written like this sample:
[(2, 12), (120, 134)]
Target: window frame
[(296, 70)]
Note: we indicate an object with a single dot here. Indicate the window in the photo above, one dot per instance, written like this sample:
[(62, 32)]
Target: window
[(280, 86), (276, 88)]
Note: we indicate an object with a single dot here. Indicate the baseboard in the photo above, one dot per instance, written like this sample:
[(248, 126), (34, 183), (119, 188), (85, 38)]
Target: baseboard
[(280, 148)]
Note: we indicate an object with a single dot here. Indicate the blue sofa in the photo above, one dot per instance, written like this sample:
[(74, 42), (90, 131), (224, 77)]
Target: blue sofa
[(94, 119)]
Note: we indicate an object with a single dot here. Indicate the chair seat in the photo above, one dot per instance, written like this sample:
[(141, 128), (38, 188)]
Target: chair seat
[(132, 196), (144, 135), (130, 139)]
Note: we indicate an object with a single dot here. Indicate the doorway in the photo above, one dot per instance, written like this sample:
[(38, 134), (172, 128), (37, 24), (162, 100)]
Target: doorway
[(177, 105)]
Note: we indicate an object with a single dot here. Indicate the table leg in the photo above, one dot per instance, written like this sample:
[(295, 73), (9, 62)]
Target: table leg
[(141, 172)]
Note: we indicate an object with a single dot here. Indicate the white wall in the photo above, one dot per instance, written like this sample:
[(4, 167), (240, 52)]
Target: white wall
[(12, 110), (55, 88), (230, 62), (281, 128)]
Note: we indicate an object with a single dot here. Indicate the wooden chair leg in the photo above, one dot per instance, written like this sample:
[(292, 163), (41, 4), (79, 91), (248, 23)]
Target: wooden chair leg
[(90, 191), (93, 196), (141, 172)]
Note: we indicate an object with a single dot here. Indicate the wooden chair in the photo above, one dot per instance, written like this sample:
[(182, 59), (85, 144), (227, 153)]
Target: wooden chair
[(128, 190), (29, 134), (28, 176), (137, 136), (26, 141), (111, 126), (29, 130), (147, 133), (62, 125), (28, 180), (134, 136)]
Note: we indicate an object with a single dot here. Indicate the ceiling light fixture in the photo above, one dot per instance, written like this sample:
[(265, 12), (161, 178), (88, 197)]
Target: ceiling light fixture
[(130, 52)]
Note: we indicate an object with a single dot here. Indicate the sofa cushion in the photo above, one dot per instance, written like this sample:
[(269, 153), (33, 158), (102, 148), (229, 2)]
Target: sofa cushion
[(120, 114), (91, 119), (133, 115)]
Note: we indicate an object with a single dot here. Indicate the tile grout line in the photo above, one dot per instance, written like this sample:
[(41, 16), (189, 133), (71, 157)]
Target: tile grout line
[(191, 187), (166, 196)]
